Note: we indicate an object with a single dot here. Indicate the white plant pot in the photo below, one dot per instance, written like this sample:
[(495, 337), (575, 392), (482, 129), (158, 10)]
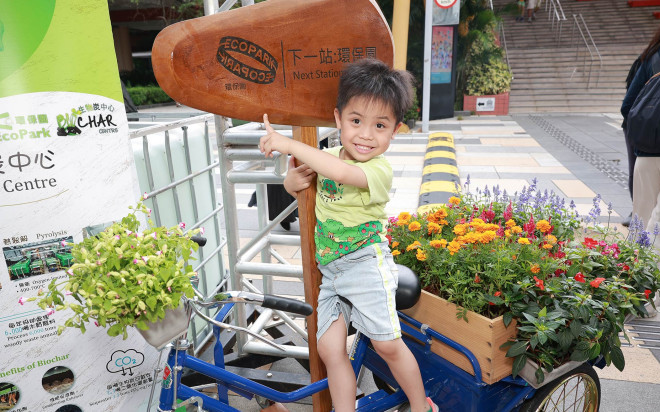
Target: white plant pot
[(166, 330), (528, 372)]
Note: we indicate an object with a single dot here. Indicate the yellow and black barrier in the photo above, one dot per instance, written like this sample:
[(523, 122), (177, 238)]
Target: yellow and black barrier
[(440, 179)]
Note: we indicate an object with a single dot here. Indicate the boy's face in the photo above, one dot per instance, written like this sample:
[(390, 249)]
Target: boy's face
[(367, 127)]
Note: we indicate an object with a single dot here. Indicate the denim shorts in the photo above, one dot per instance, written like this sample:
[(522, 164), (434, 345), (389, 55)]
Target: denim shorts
[(361, 286)]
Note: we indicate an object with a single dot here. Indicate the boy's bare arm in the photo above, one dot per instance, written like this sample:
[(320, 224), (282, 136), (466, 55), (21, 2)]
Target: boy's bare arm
[(298, 178), (324, 163)]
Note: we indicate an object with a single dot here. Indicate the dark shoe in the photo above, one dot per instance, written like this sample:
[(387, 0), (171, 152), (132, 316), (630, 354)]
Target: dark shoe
[(626, 221), (286, 225)]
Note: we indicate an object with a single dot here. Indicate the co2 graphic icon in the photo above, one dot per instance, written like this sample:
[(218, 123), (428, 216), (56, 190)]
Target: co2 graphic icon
[(445, 4), (124, 361)]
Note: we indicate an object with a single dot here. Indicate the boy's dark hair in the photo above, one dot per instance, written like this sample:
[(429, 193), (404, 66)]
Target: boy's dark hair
[(375, 80)]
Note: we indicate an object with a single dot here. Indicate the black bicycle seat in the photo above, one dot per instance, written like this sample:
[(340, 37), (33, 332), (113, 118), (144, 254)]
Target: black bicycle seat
[(409, 289)]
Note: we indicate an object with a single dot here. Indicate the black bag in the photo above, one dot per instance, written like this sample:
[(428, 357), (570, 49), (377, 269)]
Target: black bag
[(643, 128)]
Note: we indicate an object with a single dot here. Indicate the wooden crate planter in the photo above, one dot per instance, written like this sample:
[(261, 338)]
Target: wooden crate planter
[(501, 104), (482, 336)]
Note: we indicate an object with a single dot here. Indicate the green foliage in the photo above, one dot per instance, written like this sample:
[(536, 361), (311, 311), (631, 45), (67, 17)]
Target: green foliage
[(413, 112), (520, 257), (142, 95), (491, 78), (125, 277)]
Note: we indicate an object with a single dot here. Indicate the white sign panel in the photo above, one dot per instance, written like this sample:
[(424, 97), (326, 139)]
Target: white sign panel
[(485, 104)]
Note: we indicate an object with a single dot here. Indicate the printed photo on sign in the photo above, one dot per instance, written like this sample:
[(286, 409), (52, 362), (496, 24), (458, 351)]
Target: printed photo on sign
[(38, 258), (9, 396), (57, 380), (446, 12)]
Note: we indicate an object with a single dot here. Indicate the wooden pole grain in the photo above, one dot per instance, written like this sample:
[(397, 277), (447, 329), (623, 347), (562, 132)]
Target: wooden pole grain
[(311, 275)]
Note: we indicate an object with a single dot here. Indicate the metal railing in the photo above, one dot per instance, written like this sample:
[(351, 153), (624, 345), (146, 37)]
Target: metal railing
[(556, 17), (175, 166), (589, 44)]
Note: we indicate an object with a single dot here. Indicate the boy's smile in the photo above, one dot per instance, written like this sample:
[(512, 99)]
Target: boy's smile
[(367, 127)]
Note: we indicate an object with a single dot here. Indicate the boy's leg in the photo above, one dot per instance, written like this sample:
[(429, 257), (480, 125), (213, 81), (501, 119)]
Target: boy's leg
[(405, 370), (341, 379)]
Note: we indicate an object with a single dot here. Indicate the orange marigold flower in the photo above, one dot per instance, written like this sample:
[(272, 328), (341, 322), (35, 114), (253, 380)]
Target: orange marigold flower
[(460, 229), (421, 255), (547, 246), (413, 245), (395, 253), (440, 214), (453, 246), (455, 200), (395, 244), (438, 243), (413, 226), (434, 228), (477, 279), (551, 239), (535, 268), (516, 229), (404, 216), (524, 241), (544, 226), (443, 222), (507, 233), (402, 222), (510, 223), (488, 236)]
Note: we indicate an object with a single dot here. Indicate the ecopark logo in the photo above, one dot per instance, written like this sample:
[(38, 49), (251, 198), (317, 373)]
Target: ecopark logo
[(71, 124), (231, 47)]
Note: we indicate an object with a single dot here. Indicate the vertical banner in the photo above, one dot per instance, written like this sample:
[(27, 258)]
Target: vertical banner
[(441, 54), (65, 164)]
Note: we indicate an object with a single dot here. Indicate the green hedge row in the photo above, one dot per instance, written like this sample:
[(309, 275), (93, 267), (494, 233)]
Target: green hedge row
[(142, 95)]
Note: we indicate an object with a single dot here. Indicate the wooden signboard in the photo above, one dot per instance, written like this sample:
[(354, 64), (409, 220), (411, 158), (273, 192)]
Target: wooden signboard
[(283, 58)]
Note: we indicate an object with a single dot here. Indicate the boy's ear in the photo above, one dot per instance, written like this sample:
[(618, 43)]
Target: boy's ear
[(337, 118)]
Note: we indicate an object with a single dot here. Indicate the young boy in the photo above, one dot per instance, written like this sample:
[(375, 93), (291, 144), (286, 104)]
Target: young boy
[(353, 182)]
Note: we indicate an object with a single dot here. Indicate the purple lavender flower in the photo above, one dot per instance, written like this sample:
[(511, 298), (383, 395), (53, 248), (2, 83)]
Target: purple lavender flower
[(643, 239)]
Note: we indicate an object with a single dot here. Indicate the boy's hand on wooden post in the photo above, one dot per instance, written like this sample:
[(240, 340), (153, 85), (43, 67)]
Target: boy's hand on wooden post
[(298, 178), (273, 141)]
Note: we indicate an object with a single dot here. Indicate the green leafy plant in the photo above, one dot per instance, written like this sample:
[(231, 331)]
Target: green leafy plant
[(413, 112), (525, 258), (490, 78), (125, 277), (142, 95)]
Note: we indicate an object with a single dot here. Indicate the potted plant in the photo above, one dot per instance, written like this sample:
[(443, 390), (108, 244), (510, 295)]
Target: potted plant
[(125, 277), (483, 75), (521, 262)]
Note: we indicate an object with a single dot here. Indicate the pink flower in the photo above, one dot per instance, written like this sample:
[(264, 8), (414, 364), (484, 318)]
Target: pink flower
[(97, 324), (139, 282), (117, 237), (170, 289), (50, 311), (69, 272), (201, 230), (135, 261), (63, 243), (22, 300), (98, 263), (145, 258), (155, 236), (158, 253), (145, 196), (182, 225)]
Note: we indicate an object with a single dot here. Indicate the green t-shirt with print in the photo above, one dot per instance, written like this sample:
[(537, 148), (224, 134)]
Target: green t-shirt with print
[(348, 217)]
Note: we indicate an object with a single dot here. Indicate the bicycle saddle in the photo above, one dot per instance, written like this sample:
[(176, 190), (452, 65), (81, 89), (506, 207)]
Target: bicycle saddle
[(409, 289)]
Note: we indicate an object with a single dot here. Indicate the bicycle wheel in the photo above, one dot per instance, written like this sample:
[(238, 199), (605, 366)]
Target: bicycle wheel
[(575, 391)]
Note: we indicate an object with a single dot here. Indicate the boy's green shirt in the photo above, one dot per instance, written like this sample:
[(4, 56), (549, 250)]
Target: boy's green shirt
[(347, 217)]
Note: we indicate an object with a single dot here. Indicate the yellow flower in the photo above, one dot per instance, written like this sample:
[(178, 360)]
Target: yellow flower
[(524, 241), (551, 239), (414, 226), (510, 223), (404, 216), (395, 253), (402, 222), (547, 246), (453, 246), (507, 233), (455, 200), (516, 229), (434, 228), (421, 255), (535, 268), (488, 236), (544, 226), (438, 243), (395, 244), (412, 246), (460, 229)]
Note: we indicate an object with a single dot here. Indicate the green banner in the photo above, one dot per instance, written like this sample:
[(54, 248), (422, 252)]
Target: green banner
[(43, 41)]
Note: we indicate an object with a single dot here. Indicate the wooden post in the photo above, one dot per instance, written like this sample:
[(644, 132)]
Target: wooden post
[(311, 276)]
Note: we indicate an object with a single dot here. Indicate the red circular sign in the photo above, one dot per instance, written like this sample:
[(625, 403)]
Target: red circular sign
[(445, 4)]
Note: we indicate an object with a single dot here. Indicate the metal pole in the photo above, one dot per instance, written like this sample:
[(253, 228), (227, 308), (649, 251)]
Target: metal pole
[(426, 82)]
